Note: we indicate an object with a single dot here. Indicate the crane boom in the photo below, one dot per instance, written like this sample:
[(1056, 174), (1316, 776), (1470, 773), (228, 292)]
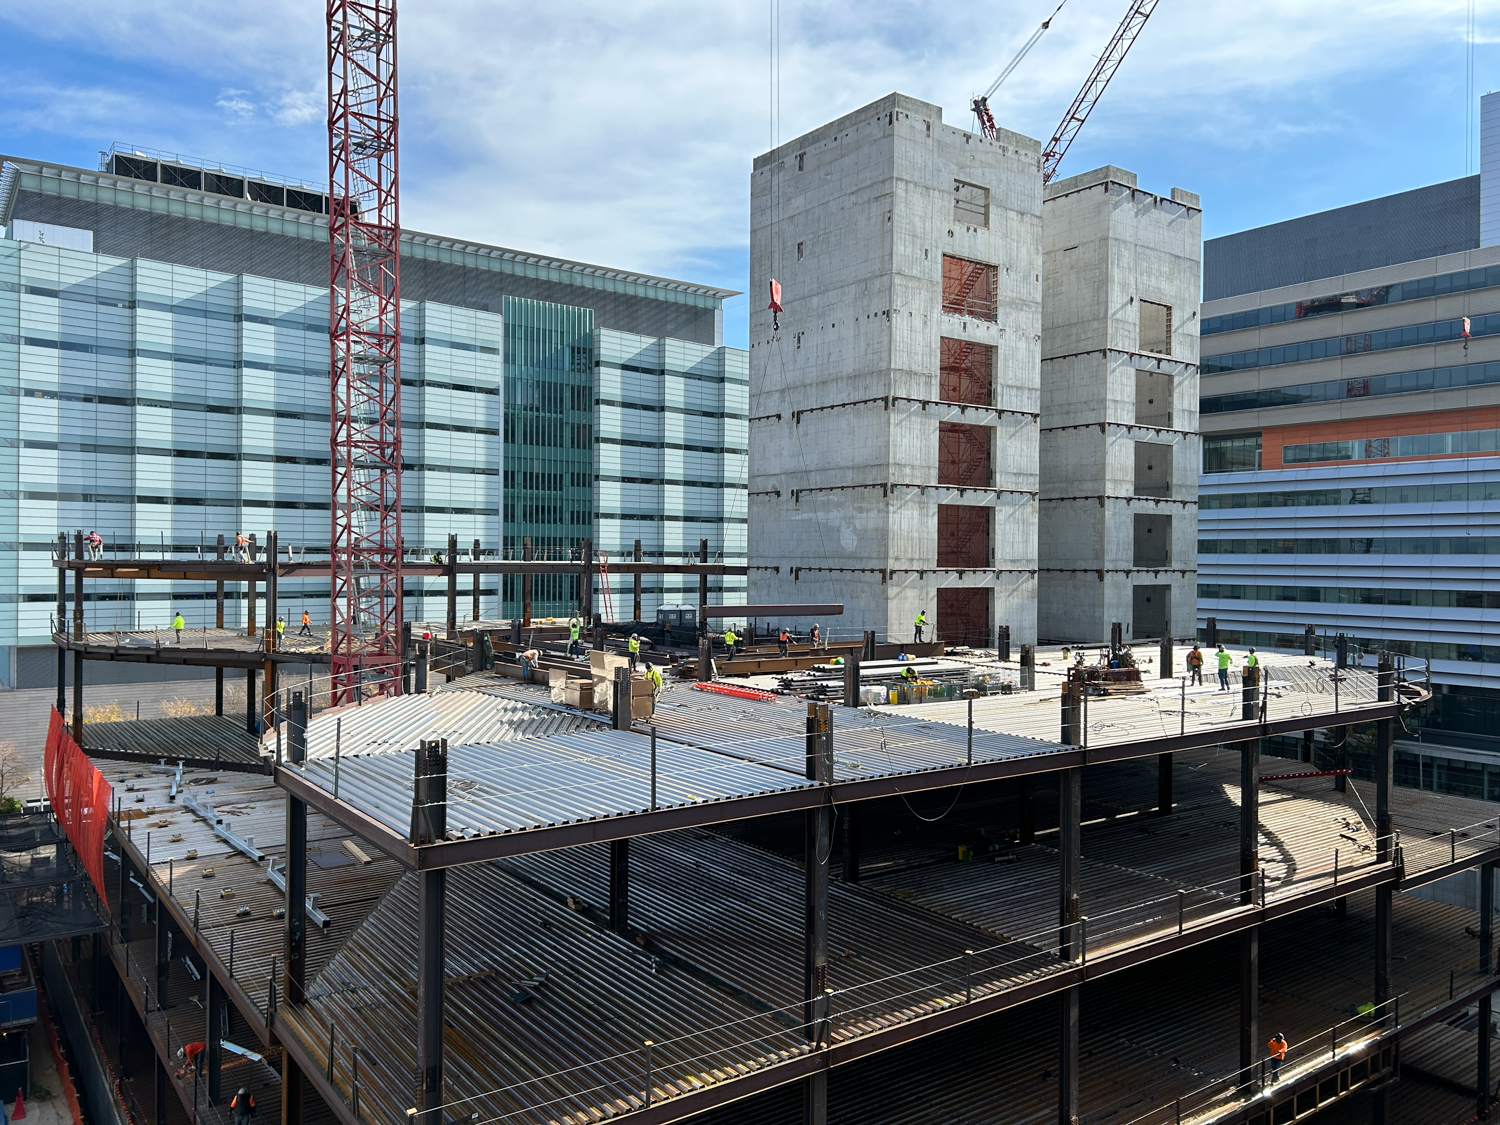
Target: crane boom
[(1088, 97), (981, 104)]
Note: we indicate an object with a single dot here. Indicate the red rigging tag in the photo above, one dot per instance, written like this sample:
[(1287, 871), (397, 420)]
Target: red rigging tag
[(775, 305)]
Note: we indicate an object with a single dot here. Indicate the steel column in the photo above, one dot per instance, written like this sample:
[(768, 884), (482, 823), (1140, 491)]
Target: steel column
[(476, 582), (1069, 854), (586, 580), (526, 585), (851, 680), (273, 609), (219, 624), (816, 857), (1249, 1006), (161, 1091), (296, 865), (1341, 758), (635, 615), (213, 1034), (430, 824), (1308, 737), (619, 886), (1382, 948), (851, 843), (62, 625), (251, 726), (1163, 784), (1249, 818), (702, 587), (163, 952), (1486, 917), (1067, 1060), (1482, 1063), (1384, 765), (451, 620), (78, 635), (1026, 797)]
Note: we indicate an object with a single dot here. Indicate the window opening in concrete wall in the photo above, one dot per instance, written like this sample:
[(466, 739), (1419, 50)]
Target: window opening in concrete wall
[(1151, 611), (1153, 398), (971, 204), (969, 288), (964, 455), (1153, 469), (1231, 453), (963, 617), (1156, 328), (1153, 541), (801, 157), (963, 536), (799, 251), (965, 372)]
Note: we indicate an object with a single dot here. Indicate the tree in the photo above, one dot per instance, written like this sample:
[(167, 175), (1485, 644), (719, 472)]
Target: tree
[(15, 771)]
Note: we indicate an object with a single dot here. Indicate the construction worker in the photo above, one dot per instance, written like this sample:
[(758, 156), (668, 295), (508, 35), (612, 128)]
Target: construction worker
[(280, 629), (653, 677), (96, 544), (1277, 1048), (242, 545), (306, 630), (1195, 666), (1224, 661), (243, 1106), (783, 641), (730, 640), (529, 659), (575, 630), (909, 674), (815, 638), (921, 624), (1251, 660), (179, 625), (192, 1058), (633, 646)]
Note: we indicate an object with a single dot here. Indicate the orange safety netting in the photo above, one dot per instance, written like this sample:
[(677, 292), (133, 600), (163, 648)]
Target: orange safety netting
[(81, 799)]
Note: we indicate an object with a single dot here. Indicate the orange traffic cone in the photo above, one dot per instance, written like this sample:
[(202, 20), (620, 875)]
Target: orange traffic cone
[(20, 1110)]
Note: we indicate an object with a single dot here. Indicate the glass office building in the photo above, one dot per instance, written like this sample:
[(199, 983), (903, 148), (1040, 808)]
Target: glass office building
[(164, 380)]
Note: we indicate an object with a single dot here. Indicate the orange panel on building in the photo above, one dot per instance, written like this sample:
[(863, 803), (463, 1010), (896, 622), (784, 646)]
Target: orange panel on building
[(1357, 429)]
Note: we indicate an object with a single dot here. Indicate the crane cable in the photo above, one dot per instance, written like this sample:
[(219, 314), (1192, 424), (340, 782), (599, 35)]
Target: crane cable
[(981, 104)]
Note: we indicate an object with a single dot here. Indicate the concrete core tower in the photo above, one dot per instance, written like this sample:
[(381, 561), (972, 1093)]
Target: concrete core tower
[(1119, 426), (893, 415)]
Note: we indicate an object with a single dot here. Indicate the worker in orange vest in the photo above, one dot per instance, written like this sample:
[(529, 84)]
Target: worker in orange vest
[(783, 640), (243, 1106), (306, 630), (1277, 1048)]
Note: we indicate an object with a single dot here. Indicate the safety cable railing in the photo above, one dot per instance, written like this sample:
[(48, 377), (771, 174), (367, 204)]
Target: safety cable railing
[(850, 1013), (1361, 1035)]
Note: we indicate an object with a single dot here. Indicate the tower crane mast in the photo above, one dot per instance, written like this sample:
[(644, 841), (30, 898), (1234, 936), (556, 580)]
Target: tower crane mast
[(1093, 88)]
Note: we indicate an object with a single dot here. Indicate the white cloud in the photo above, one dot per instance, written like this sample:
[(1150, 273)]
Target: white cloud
[(623, 132)]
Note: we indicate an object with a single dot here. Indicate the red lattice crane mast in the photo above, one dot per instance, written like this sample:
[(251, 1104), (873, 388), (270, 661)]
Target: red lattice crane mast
[(1093, 88), (364, 232)]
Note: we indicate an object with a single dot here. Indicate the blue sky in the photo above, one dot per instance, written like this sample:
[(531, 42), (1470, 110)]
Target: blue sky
[(622, 133)]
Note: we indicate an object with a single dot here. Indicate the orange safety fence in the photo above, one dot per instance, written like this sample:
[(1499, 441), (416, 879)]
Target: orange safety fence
[(81, 799)]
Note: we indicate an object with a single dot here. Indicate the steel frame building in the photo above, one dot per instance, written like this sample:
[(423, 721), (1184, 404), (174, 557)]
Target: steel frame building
[(406, 978)]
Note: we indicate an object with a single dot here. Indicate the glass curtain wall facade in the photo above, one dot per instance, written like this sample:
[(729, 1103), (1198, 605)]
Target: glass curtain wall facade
[(549, 390), (1358, 492), (671, 463), (162, 406)]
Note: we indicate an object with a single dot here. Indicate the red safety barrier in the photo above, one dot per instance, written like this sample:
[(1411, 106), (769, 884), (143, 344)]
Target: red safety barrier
[(81, 799), (741, 692)]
